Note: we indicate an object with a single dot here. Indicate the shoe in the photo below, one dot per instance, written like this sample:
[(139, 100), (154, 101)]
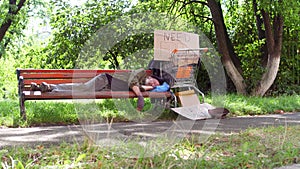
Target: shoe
[(218, 113), (45, 87), (34, 87)]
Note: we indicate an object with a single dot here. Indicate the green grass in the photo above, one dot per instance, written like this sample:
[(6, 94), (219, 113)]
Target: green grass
[(254, 148), (240, 105), (51, 112)]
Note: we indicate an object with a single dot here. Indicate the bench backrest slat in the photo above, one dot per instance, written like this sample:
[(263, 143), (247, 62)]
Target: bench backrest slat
[(58, 75), (23, 71), (54, 81)]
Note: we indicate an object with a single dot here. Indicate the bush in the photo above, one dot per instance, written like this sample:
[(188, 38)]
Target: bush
[(8, 82)]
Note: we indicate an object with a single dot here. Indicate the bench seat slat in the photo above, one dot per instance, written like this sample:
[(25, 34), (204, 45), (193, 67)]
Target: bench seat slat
[(30, 95)]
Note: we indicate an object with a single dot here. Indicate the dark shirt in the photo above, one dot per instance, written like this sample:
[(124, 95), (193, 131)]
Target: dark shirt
[(126, 80), (117, 84)]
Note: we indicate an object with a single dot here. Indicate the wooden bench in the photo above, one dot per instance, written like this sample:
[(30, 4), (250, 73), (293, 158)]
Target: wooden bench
[(59, 76)]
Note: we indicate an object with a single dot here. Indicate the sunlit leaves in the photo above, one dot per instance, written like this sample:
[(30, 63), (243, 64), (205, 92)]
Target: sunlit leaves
[(16, 19), (74, 25)]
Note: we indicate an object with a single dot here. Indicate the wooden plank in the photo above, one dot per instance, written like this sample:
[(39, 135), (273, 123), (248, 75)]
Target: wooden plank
[(94, 95), (54, 81), (26, 71), (184, 93), (63, 74), (69, 71), (59, 75)]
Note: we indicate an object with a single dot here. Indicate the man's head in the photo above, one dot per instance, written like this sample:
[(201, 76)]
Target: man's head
[(151, 81)]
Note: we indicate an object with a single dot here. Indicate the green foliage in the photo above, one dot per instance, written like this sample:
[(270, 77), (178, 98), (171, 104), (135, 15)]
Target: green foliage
[(12, 40), (73, 26), (9, 113), (106, 34), (250, 55), (289, 9), (14, 32), (288, 78), (8, 79)]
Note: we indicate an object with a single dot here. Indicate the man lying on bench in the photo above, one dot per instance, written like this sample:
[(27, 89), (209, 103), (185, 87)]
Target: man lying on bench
[(136, 81)]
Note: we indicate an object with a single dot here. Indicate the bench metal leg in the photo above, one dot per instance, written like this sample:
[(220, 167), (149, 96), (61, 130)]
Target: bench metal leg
[(21, 96), (22, 106), (173, 100)]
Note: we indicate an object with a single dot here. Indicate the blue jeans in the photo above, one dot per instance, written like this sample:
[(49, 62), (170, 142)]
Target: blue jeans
[(98, 83)]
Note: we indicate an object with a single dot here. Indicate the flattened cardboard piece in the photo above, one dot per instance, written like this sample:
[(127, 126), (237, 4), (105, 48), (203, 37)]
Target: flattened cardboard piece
[(166, 41), (188, 98), (207, 106), (191, 107), (194, 112)]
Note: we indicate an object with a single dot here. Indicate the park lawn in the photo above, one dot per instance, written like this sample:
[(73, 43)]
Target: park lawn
[(65, 112)]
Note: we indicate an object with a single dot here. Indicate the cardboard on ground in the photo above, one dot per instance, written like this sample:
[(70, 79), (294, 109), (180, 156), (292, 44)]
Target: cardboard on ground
[(191, 106), (166, 41)]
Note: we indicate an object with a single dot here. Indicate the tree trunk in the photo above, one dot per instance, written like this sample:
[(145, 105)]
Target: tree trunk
[(269, 76), (274, 44), (225, 47)]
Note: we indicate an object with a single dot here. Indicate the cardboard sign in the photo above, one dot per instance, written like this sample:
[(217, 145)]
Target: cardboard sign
[(166, 41)]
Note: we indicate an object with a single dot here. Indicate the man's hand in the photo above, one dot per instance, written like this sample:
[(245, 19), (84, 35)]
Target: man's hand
[(146, 88), (140, 103)]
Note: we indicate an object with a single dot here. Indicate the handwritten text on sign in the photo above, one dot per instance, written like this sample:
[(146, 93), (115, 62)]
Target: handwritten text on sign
[(166, 41), (176, 36)]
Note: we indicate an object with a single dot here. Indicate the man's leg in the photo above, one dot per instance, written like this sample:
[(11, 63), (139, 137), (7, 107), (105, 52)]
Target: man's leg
[(96, 84)]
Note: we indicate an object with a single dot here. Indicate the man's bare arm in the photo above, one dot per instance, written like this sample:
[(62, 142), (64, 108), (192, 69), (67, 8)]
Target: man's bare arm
[(137, 91), (146, 88)]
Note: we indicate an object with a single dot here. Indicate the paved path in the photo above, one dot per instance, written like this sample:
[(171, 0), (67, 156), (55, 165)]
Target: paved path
[(76, 133)]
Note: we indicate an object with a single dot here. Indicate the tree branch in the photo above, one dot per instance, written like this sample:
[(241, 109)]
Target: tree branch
[(261, 34), (114, 60), (278, 31), (268, 31), (194, 1), (185, 3), (259, 21)]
